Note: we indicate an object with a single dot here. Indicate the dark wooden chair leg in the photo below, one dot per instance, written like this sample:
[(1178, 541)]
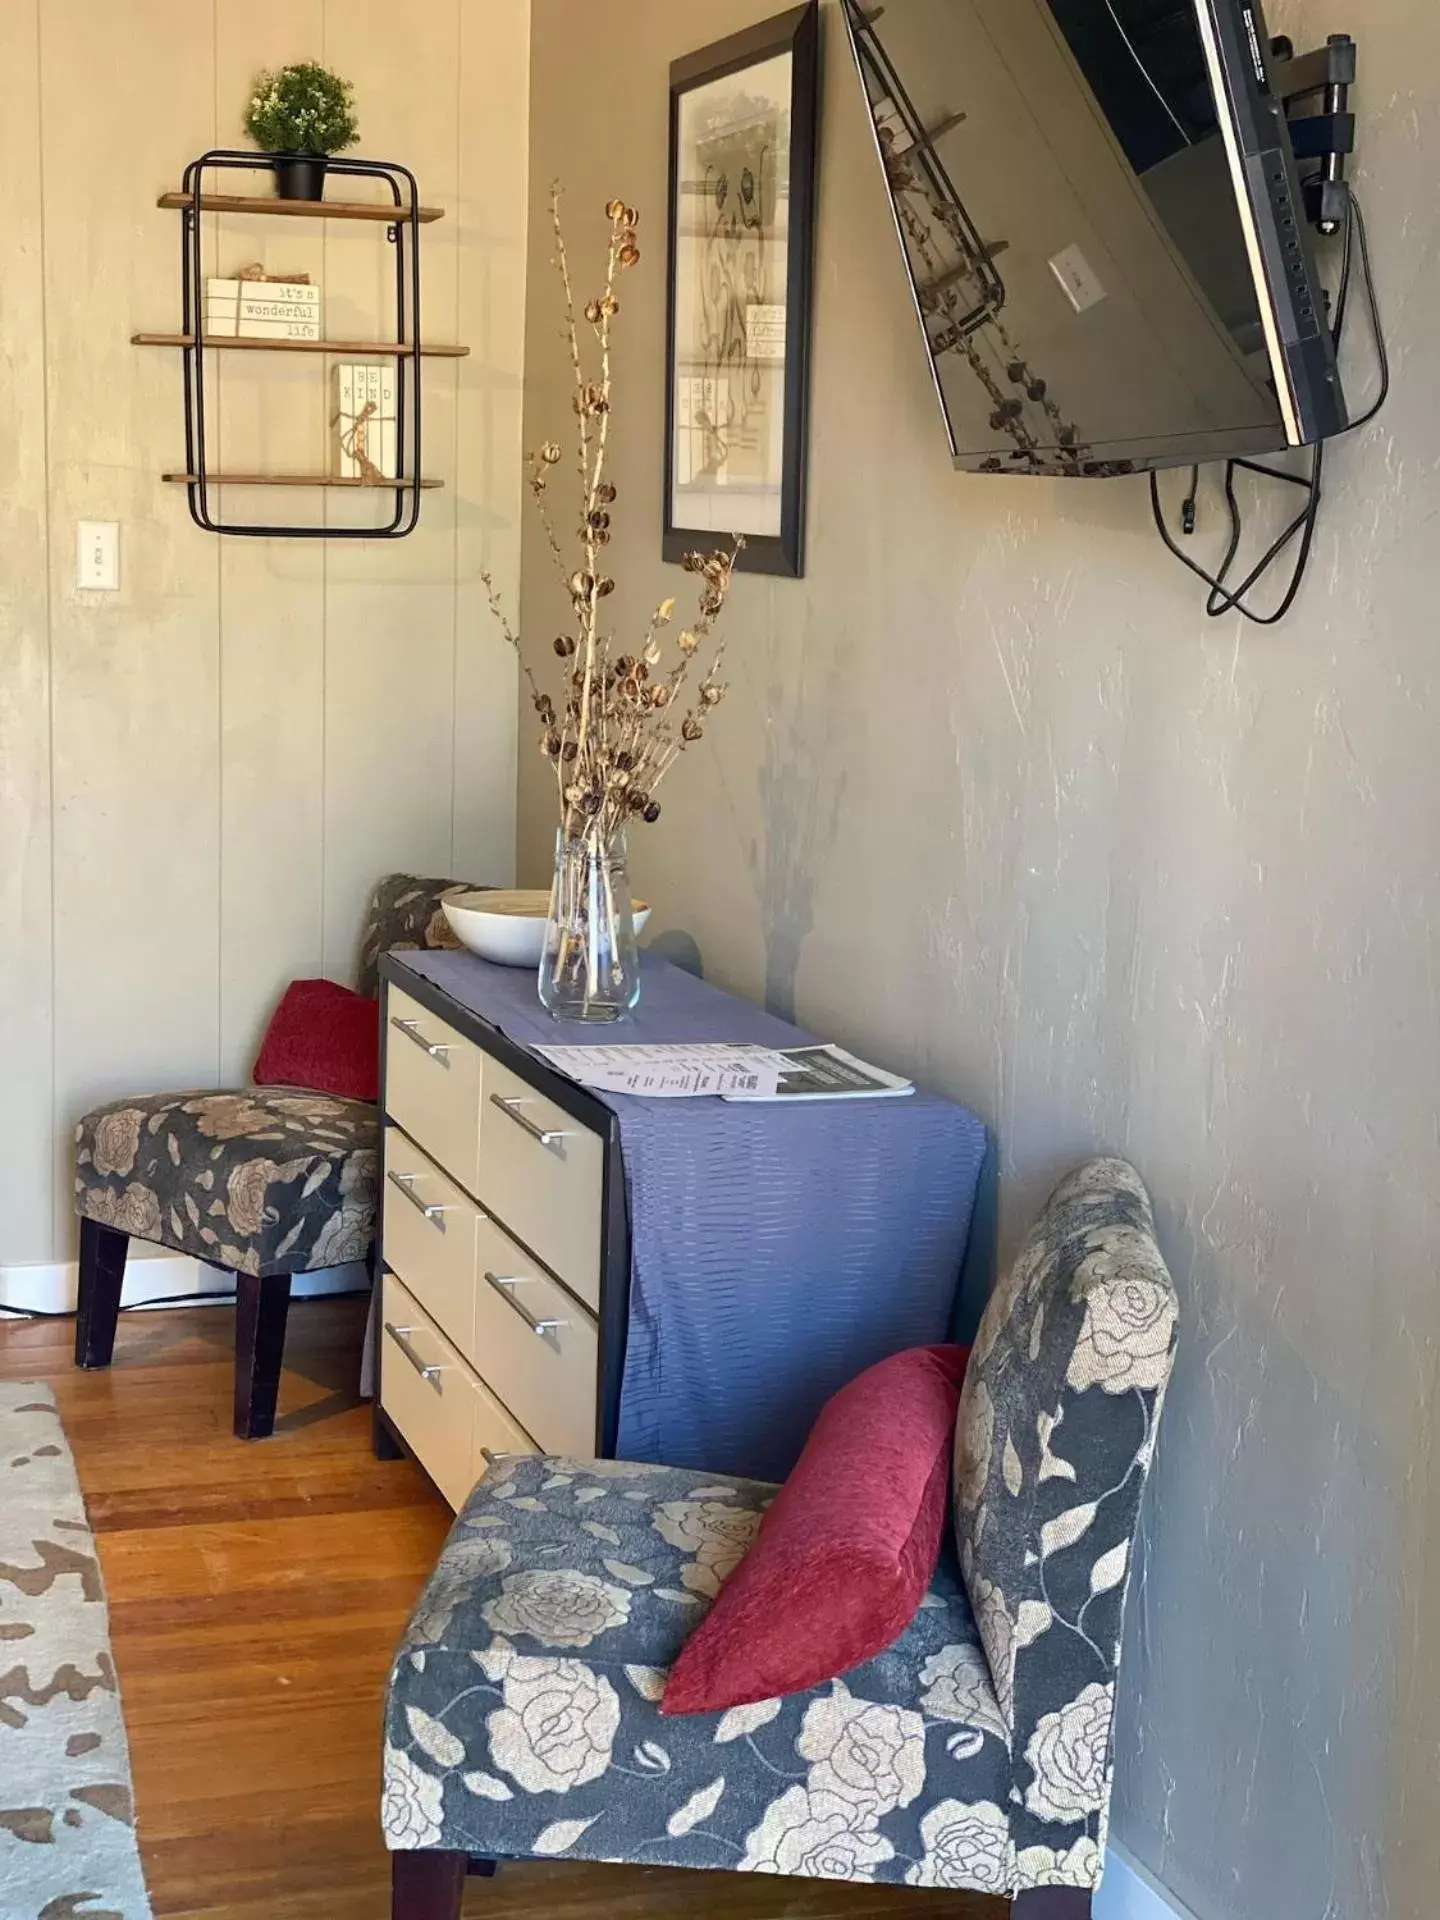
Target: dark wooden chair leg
[(262, 1308), (102, 1274), (427, 1886), (1052, 1903)]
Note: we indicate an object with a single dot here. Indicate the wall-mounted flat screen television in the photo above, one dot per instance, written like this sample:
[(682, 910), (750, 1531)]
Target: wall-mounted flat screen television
[(1102, 218)]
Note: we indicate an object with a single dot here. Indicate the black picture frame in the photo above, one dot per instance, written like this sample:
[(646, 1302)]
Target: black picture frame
[(796, 33)]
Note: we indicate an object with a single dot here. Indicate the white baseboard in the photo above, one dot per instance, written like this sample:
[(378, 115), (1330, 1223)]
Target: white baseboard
[(1130, 1892), (169, 1277)]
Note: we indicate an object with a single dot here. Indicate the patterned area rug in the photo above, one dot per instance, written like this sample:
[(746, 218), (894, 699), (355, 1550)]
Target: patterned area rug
[(67, 1837)]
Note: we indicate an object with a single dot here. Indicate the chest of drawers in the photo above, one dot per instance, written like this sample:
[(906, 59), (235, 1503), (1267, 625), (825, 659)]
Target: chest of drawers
[(671, 1280), (504, 1252)]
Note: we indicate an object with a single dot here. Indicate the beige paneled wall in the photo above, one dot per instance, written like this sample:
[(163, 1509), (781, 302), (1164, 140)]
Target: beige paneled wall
[(201, 775), (994, 802), (27, 1113)]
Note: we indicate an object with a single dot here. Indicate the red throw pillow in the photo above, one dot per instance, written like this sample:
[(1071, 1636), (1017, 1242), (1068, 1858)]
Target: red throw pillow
[(323, 1038), (848, 1550)]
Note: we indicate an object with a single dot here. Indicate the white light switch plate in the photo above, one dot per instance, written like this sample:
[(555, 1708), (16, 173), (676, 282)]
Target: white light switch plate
[(97, 556), (1078, 278)]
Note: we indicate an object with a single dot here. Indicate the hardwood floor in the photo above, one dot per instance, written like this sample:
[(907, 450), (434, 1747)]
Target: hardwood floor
[(256, 1593)]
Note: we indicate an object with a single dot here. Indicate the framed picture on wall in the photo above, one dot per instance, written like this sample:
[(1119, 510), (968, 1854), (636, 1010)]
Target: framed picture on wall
[(742, 192)]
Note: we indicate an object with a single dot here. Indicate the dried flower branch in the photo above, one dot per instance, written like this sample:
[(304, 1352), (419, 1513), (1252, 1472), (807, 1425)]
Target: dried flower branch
[(618, 721)]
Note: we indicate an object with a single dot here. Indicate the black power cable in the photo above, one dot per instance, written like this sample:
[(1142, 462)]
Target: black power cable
[(167, 1300), (1223, 598), (1372, 301)]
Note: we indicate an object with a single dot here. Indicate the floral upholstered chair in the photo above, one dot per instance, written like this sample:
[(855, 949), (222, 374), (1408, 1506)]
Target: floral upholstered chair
[(267, 1183), (523, 1717)]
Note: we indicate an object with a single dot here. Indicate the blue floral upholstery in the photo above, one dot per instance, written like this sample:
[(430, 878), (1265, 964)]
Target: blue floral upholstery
[(523, 1717), (1054, 1439), (265, 1181)]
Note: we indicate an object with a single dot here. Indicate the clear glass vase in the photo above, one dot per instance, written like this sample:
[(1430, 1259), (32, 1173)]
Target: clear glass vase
[(590, 969)]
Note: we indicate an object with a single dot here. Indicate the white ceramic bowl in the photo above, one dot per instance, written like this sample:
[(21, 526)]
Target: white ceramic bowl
[(508, 928)]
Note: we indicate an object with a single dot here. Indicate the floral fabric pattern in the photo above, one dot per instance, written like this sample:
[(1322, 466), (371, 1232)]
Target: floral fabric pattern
[(404, 916), (1053, 1442), (260, 1182), (561, 1609), (266, 1180), (524, 1717)]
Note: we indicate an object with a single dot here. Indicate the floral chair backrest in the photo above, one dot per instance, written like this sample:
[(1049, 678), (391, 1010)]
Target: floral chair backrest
[(1053, 1443), (404, 913)]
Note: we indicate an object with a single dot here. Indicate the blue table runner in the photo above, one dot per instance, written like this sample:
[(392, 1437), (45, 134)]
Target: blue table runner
[(776, 1250)]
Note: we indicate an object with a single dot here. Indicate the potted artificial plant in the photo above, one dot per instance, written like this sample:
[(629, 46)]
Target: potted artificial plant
[(301, 115)]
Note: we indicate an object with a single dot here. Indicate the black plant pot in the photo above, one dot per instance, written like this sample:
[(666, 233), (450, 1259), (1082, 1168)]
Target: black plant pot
[(300, 176)]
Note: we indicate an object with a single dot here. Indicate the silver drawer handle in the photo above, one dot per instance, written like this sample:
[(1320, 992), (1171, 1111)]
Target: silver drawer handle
[(429, 1374), (511, 1103), (411, 1031), (545, 1328), (435, 1214)]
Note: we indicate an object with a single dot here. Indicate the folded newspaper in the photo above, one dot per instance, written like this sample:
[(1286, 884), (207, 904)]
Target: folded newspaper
[(706, 1069)]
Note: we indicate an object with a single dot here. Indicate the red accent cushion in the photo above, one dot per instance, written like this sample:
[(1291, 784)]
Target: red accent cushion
[(848, 1550), (323, 1038)]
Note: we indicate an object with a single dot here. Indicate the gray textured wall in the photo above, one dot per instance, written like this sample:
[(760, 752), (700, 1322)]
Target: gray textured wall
[(994, 802)]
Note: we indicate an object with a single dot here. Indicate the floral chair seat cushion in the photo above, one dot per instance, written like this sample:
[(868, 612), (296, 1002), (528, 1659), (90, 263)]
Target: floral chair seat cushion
[(523, 1715), (266, 1181)]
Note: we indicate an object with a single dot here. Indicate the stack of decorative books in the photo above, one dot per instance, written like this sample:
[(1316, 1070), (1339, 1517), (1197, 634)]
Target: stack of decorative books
[(365, 437), (262, 309)]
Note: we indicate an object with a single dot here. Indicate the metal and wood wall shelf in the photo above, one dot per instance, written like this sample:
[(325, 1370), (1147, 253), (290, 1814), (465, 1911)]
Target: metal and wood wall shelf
[(402, 217)]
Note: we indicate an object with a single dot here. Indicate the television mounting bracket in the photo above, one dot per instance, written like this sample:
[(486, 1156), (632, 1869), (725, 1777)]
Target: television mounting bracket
[(1323, 141)]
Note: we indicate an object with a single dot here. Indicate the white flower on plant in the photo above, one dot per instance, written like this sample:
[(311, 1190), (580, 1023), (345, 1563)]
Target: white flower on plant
[(974, 1439), (958, 1688), (1129, 1320), (871, 1756), (966, 1845), (1067, 1754), (817, 1836), (557, 1606), (718, 1533), (556, 1729), (411, 1809)]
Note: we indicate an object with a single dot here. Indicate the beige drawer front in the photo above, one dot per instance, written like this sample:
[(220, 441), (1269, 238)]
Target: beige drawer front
[(430, 1238), (445, 1414), (433, 1083), (548, 1377), (546, 1190)]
